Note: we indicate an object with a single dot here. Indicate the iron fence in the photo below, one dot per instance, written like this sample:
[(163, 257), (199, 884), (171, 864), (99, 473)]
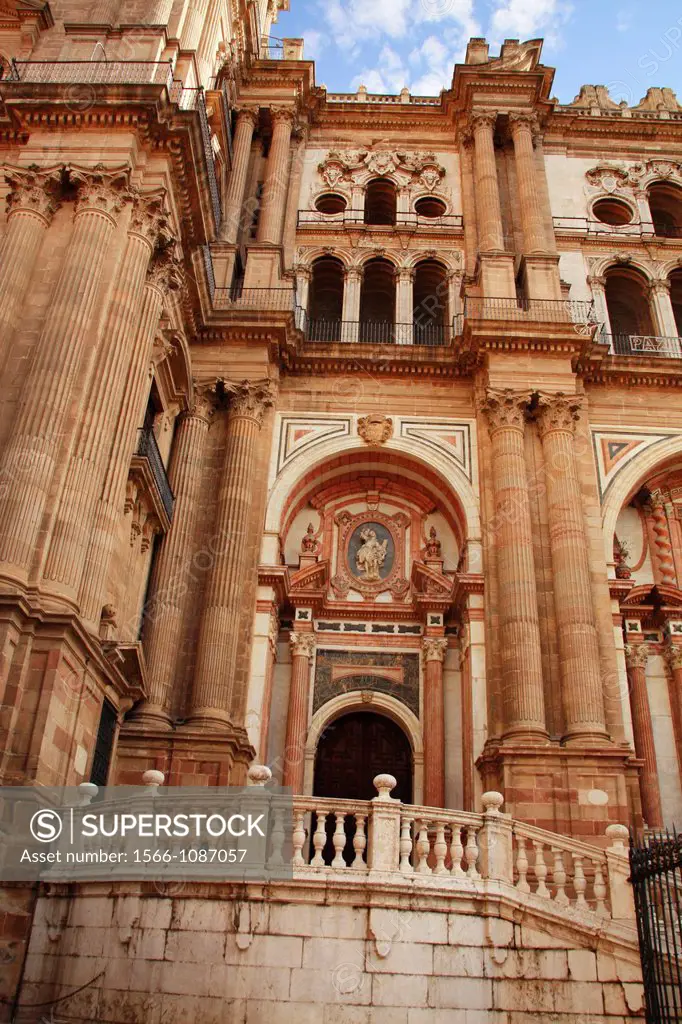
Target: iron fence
[(656, 876), (643, 345), (540, 310), (257, 299), (377, 332), (92, 72), (348, 218), (193, 99), (149, 449)]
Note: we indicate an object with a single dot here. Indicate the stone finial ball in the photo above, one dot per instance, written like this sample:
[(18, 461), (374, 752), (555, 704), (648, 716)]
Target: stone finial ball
[(153, 778), (618, 834), (384, 784), (259, 774), (492, 802)]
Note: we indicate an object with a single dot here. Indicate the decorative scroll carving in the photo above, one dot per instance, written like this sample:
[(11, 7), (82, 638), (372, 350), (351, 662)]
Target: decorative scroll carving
[(370, 554), (358, 165), (375, 429), (101, 188)]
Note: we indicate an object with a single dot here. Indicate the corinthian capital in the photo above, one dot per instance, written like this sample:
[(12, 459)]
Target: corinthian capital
[(302, 645), (636, 655), (482, 119), (523, 122), (248, 115), (434, 648), (165, 271), (673, 655), (282, 115), (33, 190), (149, 218), (250, 399), (203, 401), (558, 412), (100, 188), (505, 408)]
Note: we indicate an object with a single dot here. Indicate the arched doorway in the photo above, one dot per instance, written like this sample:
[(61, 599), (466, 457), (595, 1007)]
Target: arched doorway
[(325, 307), (380, 202), (628, 305), (377, 302), (354, 749), (665, 203)]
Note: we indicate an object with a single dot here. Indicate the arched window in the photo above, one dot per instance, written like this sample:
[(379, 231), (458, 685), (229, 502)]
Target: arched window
[(430, 314), (377, 302), (380, 202), (676, 298), (628, 305), (325, 308), (665, 203)]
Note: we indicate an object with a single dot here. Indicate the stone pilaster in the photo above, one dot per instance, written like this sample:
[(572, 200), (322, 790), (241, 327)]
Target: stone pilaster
[(247, 119), (167, 607), (636, 657), (266, 706), (666, 324), (31, 204), (523, 127), (582, 694), (489, 214), (29, 458), (673, 657), (218, 636), (162, 276), (73, 522), (276, 184), (302, 650), (404, 302), (523, 703), (350, 314), (433, 654)]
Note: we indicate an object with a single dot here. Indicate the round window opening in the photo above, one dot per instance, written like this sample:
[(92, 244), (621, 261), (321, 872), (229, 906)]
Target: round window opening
[(430, 207), (330, 203), (613, 212)]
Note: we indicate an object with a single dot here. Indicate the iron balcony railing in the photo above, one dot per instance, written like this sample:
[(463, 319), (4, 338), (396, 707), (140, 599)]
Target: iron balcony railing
[(149, 449), (92, 72), (585, 226), (189, 98), (256, 299), (524, 310), (667, 231), (349, 218), (643, 345), (377, 332)]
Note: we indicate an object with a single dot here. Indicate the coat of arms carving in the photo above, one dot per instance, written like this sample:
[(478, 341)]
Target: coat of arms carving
[(375, 429)]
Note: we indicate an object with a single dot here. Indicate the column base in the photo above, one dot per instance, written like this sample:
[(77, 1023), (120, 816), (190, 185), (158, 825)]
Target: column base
[(209, 718), (576, 791), (149, 716), (263, 266), (525, 735), (497, 275), (586, 737), (541, 273), (188, 755)]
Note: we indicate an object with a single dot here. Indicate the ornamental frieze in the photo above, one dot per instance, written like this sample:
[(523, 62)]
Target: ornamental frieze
[(358, 165)]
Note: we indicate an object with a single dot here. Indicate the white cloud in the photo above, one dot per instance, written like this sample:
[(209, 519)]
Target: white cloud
[(427, 69), (623, 20), (353, 22), (524, 19)]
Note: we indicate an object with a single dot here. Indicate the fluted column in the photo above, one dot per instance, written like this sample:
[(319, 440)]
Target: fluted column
[(350, 314), (302, 650), (522, 129), (635, 659), (218, 636), (30, 455), (193, 24), (276, 183), (659, 296), (247, 120), (404, 334), (433, 654), (523, 702), (163, 275), (582, 693), (598, 285), (73, 522), (31, 204), (489, 213), (656, 514), (673, 657), (167, 607)]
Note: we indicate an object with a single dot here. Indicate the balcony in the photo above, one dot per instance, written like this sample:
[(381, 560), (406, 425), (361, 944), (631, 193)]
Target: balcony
[(314, 219), (561, 311), (147, 451), (92, 72), (593, 228), (643, 345), (346, 332), (263, 300)]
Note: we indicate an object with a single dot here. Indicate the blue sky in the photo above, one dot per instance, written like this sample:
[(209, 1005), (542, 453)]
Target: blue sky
[(628, 45)]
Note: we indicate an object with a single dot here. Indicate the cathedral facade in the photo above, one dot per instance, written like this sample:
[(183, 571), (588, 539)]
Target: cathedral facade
[(340, 446)]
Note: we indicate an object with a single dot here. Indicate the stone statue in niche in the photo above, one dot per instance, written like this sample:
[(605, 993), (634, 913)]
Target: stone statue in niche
[(309, 544), (371, 555), (433, 545)]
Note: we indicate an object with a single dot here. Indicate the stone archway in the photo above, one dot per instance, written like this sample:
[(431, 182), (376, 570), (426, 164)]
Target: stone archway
[(356, 747)]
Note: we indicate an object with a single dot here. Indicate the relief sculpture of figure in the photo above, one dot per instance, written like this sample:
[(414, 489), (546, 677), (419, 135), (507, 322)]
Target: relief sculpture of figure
[(371, 556)]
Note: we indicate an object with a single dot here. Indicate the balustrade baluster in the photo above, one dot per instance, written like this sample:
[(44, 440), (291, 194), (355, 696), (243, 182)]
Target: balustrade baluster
[(600, 890), (406, 845), (359, 842), (423, 849), (579, 882), (319, 839), (339, 841), (471, 853), (540, 868), (559, 878), (457, 851), (277, 839), (522, 865), (298, 838), (440, 849)]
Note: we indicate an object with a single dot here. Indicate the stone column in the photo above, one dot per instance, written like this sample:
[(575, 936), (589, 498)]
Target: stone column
[(523, 702), (247, 119), (645, 218), (276, 183), (583, 698), (522, 129), (662, 547), (598, 285), (193, 24), (31, 204), (29, 459), (489, 213), (636, 658), (664, 315), (163, 275), (673, 657), (218, 635), (433, 654), (73, 522), (303, 278), (351, 304), (404, 334), (302, 650), (167, 607), (266, 706)]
